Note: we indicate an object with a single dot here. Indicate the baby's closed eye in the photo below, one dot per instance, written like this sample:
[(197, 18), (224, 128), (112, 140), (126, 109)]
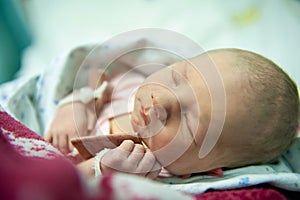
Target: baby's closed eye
[(176, 77)]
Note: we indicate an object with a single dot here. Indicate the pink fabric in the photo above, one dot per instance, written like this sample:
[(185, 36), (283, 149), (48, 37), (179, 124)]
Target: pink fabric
[(26, 142), (121, 101), (33, 177), (7, 123), (243, 194)]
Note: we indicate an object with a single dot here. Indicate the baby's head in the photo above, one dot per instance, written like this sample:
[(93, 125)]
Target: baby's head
[(176, 106)]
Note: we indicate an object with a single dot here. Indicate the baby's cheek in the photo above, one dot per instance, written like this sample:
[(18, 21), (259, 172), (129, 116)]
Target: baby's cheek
[(160, 140)]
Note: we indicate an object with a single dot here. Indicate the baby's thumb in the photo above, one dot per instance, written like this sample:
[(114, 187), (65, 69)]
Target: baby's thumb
[(155, 171)]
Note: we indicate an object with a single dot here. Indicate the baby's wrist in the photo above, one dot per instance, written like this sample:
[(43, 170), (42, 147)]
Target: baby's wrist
[(97, 161), (84, 95)]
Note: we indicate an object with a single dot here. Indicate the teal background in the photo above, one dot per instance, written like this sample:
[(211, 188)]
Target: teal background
[(14, 38)]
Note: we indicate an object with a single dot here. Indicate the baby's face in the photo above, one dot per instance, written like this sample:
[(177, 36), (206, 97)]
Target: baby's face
[(171, 114)]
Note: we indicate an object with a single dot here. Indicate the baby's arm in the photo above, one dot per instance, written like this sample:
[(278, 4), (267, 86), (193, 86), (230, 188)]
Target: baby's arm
[(128, 158), (74, 118)]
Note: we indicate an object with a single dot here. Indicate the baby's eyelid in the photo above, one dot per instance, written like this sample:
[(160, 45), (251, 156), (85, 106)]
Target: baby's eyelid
[(175, 77)]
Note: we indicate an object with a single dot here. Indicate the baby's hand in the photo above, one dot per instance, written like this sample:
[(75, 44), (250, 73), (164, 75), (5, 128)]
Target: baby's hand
[(70, 121), (131, 158)]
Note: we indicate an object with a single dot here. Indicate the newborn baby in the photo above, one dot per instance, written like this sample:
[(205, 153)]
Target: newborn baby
[(224, 108)]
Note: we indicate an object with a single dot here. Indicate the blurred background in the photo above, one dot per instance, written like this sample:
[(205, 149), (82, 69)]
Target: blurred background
[(33, 32)]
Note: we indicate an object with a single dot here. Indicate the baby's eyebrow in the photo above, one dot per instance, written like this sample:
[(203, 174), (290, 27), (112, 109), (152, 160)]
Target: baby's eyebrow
[(184, 72)]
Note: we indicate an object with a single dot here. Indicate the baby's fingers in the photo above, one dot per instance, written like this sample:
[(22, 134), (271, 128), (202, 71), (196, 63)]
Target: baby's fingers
[(117, 158), (149, 166), (63, 143), (154, 172), (136, 155), (55, 141), (126, 147), (48, 137)]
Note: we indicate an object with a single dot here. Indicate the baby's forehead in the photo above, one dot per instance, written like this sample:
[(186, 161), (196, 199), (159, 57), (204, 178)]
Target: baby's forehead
[(207, 60), (206, 67)]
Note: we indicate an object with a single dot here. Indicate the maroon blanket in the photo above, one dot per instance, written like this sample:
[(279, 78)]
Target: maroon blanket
[(31, 176)]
